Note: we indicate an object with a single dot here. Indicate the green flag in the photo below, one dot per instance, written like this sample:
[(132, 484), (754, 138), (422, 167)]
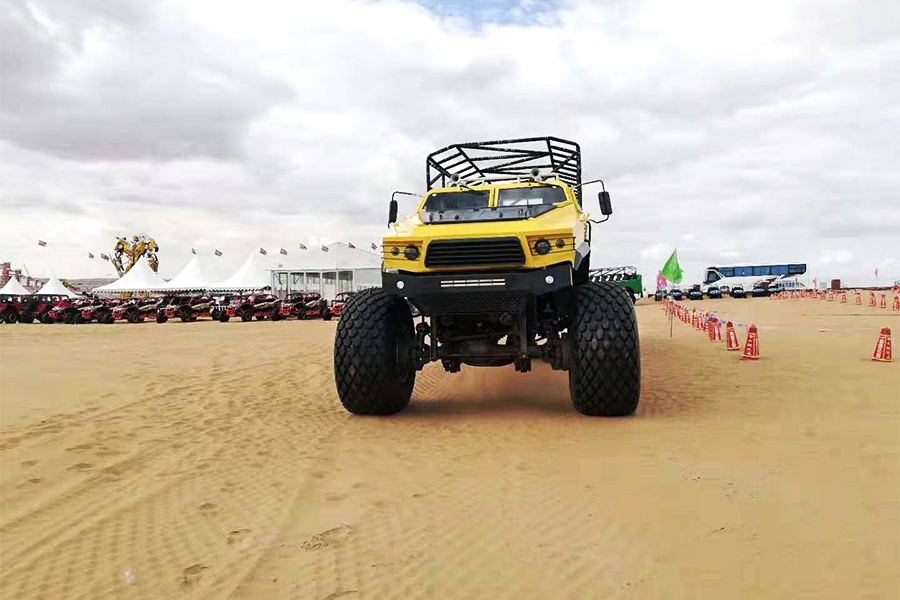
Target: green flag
[(672, 270)]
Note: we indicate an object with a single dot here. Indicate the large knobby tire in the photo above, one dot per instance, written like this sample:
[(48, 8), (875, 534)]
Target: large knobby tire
[(374, 366), (247, 315), (161, 317), (605, 370), (11, 317)]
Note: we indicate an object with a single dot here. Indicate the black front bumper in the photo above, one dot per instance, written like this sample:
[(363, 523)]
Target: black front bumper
[(534, 282)]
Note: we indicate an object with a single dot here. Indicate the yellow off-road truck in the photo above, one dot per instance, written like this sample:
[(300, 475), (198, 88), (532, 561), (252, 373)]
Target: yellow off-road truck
[(495, 265)]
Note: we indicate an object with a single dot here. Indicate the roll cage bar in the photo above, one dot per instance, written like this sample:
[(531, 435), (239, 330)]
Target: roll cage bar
[(504, 160)]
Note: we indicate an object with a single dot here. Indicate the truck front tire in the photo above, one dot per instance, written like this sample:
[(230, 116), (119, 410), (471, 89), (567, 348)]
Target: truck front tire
[(374, 366), (605, 371)]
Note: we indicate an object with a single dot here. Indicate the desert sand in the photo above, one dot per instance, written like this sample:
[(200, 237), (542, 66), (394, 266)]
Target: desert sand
[(208, 460)]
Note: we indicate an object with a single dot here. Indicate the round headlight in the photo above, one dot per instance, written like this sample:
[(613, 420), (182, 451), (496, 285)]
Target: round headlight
[(542, 246), (411, 253), (560, 243), (395, 250)]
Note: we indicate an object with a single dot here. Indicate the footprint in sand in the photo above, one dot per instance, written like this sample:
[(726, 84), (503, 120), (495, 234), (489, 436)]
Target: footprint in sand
[(208, 507), (192, 573), (82, 466), (333, 538), (80, 448), (237, 535), (27, 464)]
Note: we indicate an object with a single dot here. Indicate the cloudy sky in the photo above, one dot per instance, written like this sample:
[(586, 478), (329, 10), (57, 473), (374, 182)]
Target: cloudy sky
[(765, 131)]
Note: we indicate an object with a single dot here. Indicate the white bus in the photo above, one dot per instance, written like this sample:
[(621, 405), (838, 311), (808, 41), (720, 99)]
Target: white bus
[(749, 276)]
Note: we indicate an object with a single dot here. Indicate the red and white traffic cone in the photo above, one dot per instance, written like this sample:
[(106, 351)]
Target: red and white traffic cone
[(871, 299), (883, 302), (711, 329), (896, 305), (751, 348), (883, 350), (858, 298), (844, 298), (718, 331), (731, 337)]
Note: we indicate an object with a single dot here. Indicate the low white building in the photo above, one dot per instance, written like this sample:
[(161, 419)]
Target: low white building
[(340, 269)]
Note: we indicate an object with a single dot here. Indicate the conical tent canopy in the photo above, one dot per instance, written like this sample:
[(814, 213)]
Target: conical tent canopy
[(140, 278), (54, 287), (15, 288), (194, 276), (253, 275)]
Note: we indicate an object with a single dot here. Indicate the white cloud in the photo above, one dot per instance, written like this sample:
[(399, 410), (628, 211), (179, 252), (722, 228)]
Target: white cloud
[(764, 132)]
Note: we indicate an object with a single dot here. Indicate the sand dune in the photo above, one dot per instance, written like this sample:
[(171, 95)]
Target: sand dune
[(210, 460)]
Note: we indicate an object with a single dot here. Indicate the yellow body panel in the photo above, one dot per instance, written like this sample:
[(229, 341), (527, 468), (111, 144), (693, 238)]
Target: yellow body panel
[(566, 222)]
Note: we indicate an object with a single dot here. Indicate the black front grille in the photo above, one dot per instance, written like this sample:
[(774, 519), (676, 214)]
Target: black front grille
[(475, 252)]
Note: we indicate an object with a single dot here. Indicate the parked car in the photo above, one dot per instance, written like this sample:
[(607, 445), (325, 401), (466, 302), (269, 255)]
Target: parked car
[(695, 293), (660, 295), (713, 292), (677, 294), (35, 308), (738, 292), (760, 291), (10, 307), (93, 310)]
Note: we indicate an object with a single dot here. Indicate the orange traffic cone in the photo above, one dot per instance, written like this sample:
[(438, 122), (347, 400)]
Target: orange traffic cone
[(718, 331), (883, 351), (704, 322), (751, 348), (844, 298), (883, 302), (858, 298), (731, 337), (896, 303), (871, 299), (830, 297), (711, 329)]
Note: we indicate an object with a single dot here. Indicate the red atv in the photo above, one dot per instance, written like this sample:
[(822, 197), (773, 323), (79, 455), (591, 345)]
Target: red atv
[(337, 305), (312, 306), (293, 305), (93, 310), (260, 306), (135, 310), (187, 308), (10, 308), (61, 312), (37, 307)]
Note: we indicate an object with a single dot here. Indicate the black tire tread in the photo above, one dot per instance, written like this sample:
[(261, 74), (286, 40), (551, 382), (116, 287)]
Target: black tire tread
[(368, 379), (605, 375)]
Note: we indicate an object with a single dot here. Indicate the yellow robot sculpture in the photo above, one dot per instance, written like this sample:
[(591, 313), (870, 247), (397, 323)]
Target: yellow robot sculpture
[(126, 254)]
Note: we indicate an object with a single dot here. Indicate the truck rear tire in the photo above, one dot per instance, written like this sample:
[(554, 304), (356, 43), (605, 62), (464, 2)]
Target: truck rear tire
[(374, 366), (605, 372)]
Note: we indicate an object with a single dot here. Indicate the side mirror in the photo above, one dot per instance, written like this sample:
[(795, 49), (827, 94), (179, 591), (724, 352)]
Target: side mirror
[(605, 203), (392, 212)]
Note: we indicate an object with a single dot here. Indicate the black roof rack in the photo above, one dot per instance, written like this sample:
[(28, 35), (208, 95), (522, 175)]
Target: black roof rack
[(505, 159)]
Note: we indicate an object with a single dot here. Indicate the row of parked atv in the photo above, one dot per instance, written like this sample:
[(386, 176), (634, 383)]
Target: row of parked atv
[(60, 309)]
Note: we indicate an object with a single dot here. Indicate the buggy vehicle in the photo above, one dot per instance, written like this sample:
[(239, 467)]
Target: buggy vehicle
[(302, 305), (10, 308), (627, 278), (260, 306), (34, 308), (738, 292), (660, 295), (695, 293), (218, 305), (93, 310), (187, 308), (62, 312), (677, 294), (136, 310), (713, 292), (337, 304), (496, 259)]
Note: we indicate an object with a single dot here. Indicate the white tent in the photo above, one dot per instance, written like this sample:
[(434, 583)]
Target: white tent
[(140, 278), (253, 275), (193, 277), (54, 287), (14, 287)]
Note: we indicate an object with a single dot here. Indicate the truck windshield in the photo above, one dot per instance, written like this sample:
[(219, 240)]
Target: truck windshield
[(531, 196), (470, 200)]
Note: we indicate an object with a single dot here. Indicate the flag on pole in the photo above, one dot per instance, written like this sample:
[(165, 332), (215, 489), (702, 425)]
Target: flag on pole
[(350, 245), (815, 283), (104, 256), (90, 255), (374, 247), (283, 251), (263, 251), (193, 251), (672, 270), (876, 271), (42, 243), (302, 247), (660, 280), (218, 252), (324, 248)]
